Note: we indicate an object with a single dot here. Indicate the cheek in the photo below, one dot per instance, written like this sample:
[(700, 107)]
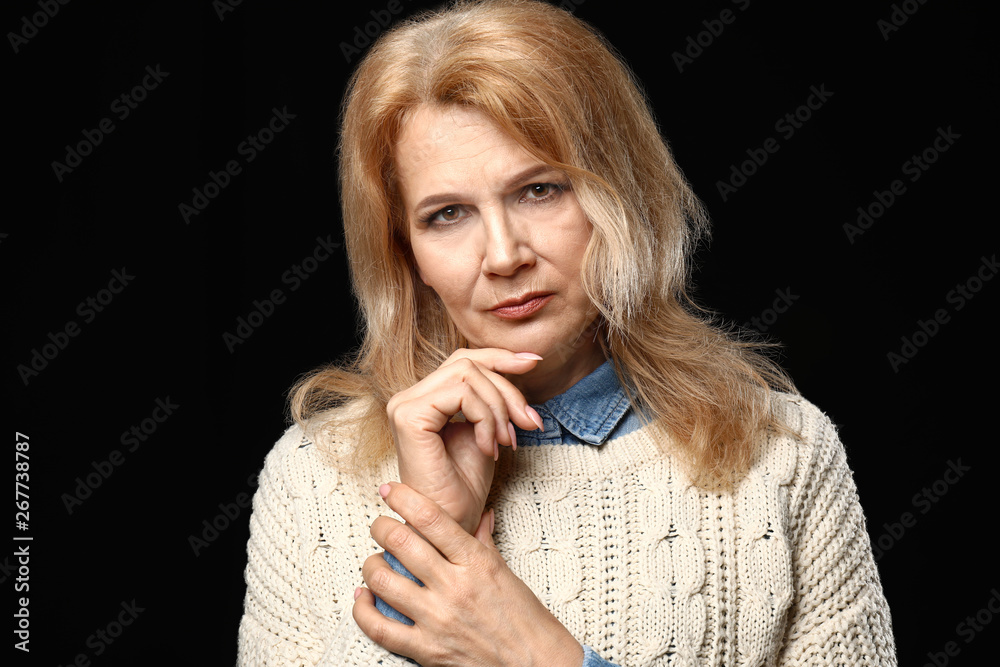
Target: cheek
[(446, 274), (421, 259), (569, 244)]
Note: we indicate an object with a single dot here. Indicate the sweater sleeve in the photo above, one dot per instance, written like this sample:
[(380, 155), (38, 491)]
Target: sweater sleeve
[(277, 627), (308, 541), (839, 614)]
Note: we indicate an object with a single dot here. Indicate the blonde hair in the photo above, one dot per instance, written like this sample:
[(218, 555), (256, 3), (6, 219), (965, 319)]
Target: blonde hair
[(557, 88)]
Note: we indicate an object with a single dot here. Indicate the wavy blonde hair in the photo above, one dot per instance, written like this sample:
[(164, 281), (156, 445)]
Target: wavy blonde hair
[(556, 87)]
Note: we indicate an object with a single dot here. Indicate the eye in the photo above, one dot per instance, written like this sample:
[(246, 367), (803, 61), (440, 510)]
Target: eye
[(540, 190), (449, 214), (445, 216)]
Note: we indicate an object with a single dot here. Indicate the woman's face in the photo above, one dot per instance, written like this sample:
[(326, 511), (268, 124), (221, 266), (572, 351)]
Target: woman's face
[(500, 237)]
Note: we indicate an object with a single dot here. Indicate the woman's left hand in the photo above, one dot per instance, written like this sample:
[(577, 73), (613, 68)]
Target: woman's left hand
[(472, 610)]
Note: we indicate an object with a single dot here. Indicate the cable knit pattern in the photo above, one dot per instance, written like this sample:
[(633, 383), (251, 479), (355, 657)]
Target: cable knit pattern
[(635, 561)]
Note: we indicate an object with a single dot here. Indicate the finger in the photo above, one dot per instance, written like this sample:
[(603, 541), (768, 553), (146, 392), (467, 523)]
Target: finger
[(461, 386), (433, 523), (487, 415), (386, 632), (518, 408), (513, 400), (392, 587), (484, 533), (467, 365), (414, 550), (464, 385), (502, 397), (498, 359)]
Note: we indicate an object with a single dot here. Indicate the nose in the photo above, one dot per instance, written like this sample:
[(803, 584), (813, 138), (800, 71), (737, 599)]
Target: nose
[(507, 249)]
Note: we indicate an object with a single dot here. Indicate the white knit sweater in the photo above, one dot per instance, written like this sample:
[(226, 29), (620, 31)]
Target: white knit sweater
[(629, 556)]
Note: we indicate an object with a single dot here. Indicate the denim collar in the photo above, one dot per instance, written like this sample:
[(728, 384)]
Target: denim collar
[(587, 412)]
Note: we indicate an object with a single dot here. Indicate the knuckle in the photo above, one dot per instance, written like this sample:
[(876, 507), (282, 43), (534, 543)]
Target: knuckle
[(400, 408), (499, 406), (465, 365), (426, 516), (380, 580), (379, 632), (407, 416), (491, 567), (463, 596), (464, 389), (399, 539), (489, 420), (487, 566)]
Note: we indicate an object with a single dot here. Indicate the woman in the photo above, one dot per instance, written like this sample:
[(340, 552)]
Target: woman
[(589, 471)]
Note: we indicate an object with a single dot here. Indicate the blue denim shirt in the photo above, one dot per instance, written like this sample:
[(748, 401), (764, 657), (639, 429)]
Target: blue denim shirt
[(591, 412)]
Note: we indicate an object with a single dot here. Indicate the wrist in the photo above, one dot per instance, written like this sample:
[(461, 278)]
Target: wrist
[(560, 649), (569, 654)]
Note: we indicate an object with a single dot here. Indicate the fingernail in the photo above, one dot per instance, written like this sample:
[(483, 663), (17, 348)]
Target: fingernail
[(496, 451), (357, 593), (384, 490), (513, 436), (492, 525), (535, 417), (528, 355)]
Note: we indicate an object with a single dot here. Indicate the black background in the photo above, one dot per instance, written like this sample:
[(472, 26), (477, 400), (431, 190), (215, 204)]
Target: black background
[(162, 335)]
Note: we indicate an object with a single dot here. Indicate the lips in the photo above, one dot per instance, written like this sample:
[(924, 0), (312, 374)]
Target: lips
[(522, 306)]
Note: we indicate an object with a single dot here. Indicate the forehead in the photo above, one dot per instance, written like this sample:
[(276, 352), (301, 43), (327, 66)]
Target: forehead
[(429, 129), (454, 144)]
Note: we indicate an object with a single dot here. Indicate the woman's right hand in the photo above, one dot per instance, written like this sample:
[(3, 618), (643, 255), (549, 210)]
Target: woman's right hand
[(450, 462)]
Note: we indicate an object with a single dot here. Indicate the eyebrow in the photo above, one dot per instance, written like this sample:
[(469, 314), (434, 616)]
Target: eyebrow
[(451, 197)]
